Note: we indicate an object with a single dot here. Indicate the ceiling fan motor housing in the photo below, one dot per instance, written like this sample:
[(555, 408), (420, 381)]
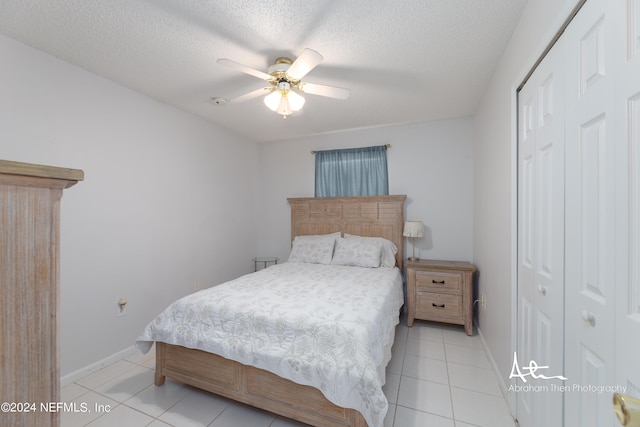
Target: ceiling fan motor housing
[(279, 71)]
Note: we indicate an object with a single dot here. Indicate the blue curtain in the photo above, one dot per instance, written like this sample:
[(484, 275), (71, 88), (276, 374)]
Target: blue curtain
[(352, 172)]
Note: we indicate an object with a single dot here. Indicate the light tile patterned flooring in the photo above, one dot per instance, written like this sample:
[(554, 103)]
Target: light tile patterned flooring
[(437, 377)]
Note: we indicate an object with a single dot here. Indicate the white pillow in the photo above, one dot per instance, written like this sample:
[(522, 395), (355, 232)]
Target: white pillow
[(389, 250), (357, 253), (317, 249)]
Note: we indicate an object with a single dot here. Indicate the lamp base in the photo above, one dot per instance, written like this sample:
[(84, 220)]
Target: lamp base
[(412, 258)]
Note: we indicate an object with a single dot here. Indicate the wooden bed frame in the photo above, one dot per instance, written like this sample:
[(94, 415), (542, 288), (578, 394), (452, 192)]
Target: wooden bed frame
[(380, 216)]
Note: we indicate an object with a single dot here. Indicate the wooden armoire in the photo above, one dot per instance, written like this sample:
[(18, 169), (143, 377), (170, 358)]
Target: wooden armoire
[(29, 291)]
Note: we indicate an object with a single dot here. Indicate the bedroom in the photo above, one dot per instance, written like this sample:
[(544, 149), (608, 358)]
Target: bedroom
[(170, 200)]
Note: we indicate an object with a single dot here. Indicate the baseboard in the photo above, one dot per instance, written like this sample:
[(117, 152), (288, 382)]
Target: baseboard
[(504, 387), (69, 378)]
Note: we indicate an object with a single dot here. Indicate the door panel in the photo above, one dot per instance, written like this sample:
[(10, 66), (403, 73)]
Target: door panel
[(627, 96), (540, 236), (592, 372), (595, 210), (594, 53)]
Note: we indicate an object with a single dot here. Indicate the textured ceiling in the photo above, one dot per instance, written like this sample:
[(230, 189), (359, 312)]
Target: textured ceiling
[(404, 61)]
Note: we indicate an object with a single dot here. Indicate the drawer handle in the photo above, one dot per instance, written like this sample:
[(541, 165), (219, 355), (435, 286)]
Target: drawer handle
[(437, 305), (436, 282)]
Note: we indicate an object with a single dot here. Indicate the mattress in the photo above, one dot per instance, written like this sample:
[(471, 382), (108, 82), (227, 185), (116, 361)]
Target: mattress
[(328, 326)]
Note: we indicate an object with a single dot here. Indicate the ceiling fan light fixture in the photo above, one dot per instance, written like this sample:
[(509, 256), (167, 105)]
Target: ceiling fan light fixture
[(296, 101), (283, 100), (273, 100)]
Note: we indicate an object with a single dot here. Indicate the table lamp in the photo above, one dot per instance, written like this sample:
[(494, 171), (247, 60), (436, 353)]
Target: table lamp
[(412, 230)]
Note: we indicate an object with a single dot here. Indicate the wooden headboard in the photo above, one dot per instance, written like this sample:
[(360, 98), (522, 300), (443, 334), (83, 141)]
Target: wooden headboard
[(369, 216)]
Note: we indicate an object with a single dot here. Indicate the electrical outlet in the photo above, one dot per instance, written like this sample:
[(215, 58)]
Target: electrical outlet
[(483, 302), (196, 285), (122, 307)]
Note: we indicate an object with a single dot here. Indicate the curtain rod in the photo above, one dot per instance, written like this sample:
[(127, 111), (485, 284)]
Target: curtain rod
[(386, 145)]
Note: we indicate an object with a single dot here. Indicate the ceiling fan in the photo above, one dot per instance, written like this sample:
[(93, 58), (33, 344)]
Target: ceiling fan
[(285, 82)]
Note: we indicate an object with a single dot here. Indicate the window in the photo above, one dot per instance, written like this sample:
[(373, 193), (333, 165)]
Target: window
[(352, 172)]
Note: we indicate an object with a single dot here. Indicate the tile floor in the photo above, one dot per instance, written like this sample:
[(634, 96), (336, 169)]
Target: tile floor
[(437, 377)]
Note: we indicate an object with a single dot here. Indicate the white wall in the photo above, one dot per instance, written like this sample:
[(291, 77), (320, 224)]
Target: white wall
[(153, 215), (429, 162), (494, 233)]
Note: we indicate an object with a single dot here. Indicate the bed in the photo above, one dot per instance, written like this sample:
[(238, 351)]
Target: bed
[(304, 365)]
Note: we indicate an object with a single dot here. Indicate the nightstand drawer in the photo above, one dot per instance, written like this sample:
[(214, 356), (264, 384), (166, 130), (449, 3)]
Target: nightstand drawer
[(441, 307), (431, 281)]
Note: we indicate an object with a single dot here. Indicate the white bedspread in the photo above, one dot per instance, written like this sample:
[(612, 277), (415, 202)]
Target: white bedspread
[(328, 326)]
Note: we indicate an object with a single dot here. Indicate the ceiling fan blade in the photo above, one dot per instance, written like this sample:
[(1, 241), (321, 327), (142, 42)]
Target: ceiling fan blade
[(243, 68), (306, 62), (324, 90), (253, 94)]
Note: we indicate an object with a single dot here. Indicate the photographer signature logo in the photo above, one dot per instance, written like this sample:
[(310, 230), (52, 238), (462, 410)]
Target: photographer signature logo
[(530, 371)]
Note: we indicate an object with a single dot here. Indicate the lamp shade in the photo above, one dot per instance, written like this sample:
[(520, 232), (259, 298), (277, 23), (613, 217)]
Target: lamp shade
[(413, 229), (273, 100), (295, 100)]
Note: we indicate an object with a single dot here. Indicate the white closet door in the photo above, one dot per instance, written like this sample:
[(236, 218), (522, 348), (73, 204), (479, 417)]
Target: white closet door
[(627, 104), (597, 65), (595, 51), (540, 236)]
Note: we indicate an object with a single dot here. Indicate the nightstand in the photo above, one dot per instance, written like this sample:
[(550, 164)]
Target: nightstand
[(265, 261), (441, 291)]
